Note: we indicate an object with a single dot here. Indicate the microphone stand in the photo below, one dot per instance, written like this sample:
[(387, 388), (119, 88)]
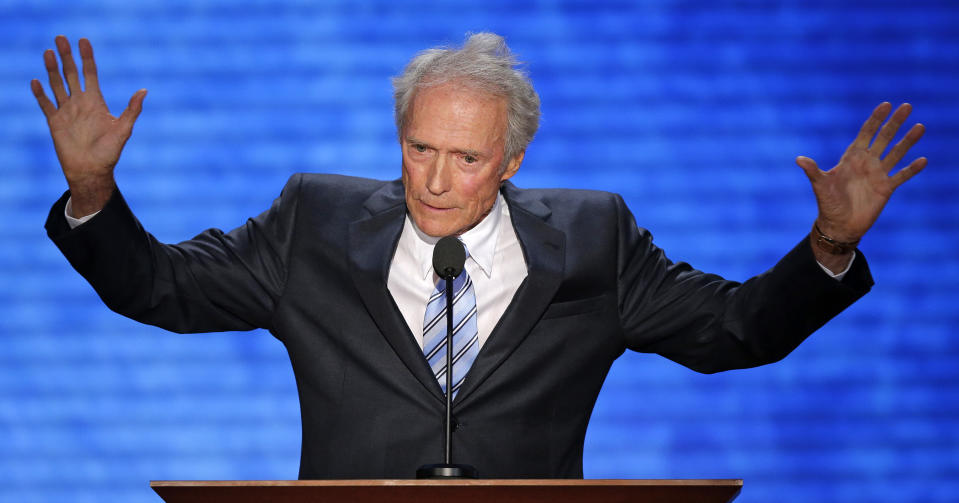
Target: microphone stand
[(448, 276), (448, 470)]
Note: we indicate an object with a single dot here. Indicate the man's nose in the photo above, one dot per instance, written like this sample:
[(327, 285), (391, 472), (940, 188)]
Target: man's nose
[(438, 178)]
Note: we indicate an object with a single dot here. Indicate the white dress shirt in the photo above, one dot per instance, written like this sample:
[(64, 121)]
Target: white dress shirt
[(495, 264)]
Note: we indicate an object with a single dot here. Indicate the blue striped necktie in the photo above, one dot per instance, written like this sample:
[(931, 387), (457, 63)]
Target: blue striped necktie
[(465, 334)]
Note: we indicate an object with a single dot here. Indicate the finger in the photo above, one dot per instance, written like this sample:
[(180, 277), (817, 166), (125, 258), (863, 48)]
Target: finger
[(130, 114), (889, 129), (869, 128), (810, 167), (53, 73), (69, 66), (90, 81), (908, 172), (45, 104), (899, 150)]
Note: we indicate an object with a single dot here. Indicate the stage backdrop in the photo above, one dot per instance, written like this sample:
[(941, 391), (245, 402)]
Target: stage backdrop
[(693, 110)]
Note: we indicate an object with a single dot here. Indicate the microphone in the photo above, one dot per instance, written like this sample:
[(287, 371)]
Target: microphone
[(449, 256)]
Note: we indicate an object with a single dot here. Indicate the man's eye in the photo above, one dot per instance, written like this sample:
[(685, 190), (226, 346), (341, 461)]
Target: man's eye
[(468, 159), (419, 147)]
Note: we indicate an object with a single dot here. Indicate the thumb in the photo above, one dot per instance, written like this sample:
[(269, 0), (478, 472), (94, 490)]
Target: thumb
[(129, 116), (810, 167)]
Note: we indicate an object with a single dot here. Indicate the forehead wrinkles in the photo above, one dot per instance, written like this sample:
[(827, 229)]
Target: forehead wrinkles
[(459, 114)]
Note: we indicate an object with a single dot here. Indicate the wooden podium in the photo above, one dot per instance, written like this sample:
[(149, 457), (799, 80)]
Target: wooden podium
[(460, 491)]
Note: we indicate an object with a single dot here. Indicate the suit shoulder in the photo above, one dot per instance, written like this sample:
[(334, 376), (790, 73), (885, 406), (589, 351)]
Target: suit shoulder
[(332, 182), (331, 188), (574, 201)]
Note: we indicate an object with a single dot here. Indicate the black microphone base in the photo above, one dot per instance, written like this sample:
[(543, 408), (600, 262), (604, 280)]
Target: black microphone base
[(445, 471)]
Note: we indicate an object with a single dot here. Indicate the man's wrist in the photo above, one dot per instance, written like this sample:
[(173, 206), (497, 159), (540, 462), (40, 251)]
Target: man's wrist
[(91, 195), (73, 221), (833, 255), (830, 244)]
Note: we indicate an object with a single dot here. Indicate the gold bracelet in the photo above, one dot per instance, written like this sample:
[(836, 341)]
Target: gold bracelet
[(830, 245)]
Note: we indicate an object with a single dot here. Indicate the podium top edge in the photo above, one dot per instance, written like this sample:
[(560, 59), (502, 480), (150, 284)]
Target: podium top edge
[(451, 482)]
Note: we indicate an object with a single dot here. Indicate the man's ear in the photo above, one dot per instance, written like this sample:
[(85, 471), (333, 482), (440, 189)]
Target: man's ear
[(512, 166)]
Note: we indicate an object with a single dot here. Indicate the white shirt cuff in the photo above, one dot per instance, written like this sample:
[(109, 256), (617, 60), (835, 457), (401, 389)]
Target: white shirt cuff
[(838, 276), (75, 222)]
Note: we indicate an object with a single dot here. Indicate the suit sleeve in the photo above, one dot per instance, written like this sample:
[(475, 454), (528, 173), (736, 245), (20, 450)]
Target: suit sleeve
[(214, 282), (710, 324)]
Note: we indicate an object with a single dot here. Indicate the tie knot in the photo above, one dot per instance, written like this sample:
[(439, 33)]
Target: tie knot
[(463, 275)]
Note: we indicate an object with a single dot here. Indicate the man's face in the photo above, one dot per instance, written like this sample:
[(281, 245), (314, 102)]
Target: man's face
[(453, 148)]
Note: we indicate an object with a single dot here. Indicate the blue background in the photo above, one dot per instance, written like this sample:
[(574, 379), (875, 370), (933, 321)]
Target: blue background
[(693, 110)]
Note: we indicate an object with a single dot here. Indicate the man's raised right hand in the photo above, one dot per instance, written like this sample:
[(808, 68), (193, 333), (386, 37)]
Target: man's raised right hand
[(87, 138)]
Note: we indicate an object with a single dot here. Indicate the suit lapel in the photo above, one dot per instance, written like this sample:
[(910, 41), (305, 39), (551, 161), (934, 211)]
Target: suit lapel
[(372, 242), (544, 248), (373, 239)]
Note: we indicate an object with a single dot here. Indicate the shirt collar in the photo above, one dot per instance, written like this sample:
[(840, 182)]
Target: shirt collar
[(480, 241)]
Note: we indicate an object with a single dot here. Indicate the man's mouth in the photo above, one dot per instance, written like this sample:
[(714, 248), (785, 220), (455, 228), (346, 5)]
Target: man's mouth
[(434, 208)]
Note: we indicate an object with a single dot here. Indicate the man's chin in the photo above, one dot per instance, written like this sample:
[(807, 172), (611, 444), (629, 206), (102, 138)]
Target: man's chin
[(433, 228), (439, 232)]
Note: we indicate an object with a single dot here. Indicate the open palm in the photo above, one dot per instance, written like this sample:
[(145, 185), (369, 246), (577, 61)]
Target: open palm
[(87, 138), (852, 194)]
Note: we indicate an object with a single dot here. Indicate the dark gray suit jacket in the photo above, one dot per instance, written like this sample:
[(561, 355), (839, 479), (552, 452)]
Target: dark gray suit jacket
[(313, 268)]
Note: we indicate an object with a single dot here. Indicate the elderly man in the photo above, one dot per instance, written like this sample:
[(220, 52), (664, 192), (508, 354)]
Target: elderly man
[(557, 284)]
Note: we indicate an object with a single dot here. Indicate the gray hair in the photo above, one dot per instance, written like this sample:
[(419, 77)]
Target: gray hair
[(485, 63)]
